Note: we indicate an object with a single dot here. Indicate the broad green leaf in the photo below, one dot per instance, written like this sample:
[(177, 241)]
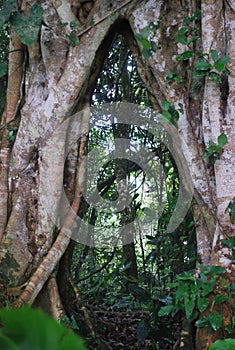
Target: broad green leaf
[(139, 37), (189, 304), (214, 148), (27, 24), (214, 55), (142, 331), (146, 52), (218, 299), (145, 32), (225, 344), (202, 322), (165, 105), (167, 116), (222, 140), (6, 10), (32, 329), (202, 65), (208, 287), (166, 310), (3, 69), (221, 63), (215, 320), (71, 341), (202, 304), (7, 344), (146, 44), (186, 55), (212, 270), (183, 30), (181, 38)]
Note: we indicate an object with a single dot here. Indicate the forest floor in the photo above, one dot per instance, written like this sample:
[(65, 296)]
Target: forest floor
[(117, 330)]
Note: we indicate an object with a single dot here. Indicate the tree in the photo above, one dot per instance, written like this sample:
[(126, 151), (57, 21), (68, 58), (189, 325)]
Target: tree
[(184, 54)]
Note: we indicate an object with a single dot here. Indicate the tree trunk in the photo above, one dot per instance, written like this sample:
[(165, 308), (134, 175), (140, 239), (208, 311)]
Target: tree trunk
[(54, 78)]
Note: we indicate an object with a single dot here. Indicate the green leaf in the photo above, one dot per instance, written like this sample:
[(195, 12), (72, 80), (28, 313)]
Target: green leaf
[(202, 65), (7, 344), (6, 10), (73, 38), (145, 32), (222, 140), (213, 76), (3, 69), (146, 53), (139, 37), (215, 320), (186, 55), (92, 22), (219, 299), (225, 344), (142, 331), (202, 304), (214, 55), (202, 322), (189, 304), (208, 287), (166, 310), (221, 63), (153, 46), (183, 30), (146, 44), (212, 270), (27, 24), (32, 329), (182, 39), (165, 105)]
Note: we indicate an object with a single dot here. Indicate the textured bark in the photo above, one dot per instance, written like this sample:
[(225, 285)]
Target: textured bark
[(14, 95)]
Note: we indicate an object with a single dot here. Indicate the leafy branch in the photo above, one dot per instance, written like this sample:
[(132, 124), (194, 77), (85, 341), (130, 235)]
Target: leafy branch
[(214, 150)]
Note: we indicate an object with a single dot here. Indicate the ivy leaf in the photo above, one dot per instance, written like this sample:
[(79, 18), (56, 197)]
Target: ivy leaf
[(27, 24), (6, 10), (3, 69), (222, 140), (215, 320)]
